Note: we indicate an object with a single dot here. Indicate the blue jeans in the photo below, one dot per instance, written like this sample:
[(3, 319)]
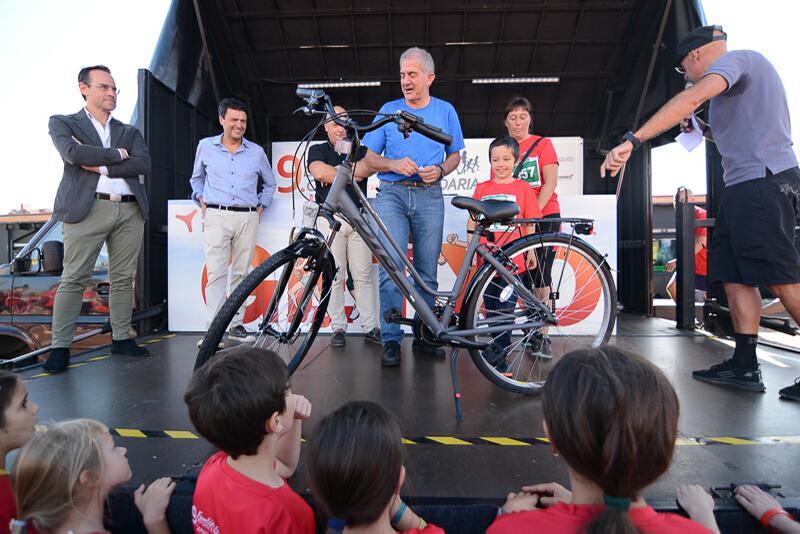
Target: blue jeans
[(499, 305), (420, 211)]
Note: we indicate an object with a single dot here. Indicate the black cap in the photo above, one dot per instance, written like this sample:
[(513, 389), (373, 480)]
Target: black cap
[(697, 38)]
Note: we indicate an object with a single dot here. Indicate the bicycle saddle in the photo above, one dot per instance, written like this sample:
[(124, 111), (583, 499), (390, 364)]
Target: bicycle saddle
[(492, 210)]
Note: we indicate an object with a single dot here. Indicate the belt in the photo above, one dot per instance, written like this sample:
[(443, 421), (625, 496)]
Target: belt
[(115, 198), (415, 183), (230, 208)]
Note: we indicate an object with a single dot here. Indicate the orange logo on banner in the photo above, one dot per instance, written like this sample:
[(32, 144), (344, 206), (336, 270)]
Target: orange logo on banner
[(284, 168)]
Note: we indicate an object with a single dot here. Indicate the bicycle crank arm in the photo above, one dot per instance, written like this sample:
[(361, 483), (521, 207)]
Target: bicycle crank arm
[(458, 342)]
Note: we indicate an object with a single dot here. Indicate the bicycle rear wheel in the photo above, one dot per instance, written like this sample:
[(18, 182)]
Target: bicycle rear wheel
[(287, 296), (582, 297)]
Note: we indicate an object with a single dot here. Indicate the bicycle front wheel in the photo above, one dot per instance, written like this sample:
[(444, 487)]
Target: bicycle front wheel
[(286, 296), (572, 280)]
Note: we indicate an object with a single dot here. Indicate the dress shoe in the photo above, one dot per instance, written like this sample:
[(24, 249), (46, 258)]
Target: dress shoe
[(58, 361), (374, 335), (128, 347)]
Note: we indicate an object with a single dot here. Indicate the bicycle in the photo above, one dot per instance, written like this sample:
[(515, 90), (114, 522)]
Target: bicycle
[(581, 297)]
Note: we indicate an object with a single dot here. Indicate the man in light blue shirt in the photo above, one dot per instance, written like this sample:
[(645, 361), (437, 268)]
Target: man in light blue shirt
[(227, 169), (410, 194)]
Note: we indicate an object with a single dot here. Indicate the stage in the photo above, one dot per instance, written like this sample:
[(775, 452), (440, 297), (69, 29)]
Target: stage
[(726, 436)]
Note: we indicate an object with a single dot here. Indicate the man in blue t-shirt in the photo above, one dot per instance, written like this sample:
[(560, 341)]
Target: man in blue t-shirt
[(410, 194), (754, 231)]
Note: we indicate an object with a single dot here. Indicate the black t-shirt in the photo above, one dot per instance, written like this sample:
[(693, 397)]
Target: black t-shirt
[(325, 153)]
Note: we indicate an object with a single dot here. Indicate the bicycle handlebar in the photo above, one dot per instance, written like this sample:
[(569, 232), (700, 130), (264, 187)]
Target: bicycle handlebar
[(406, 121)]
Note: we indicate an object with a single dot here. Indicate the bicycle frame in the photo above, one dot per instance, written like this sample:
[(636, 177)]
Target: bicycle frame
[(339, 202)]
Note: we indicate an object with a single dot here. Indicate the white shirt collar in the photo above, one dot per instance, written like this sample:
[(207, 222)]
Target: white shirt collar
[(93, 118)]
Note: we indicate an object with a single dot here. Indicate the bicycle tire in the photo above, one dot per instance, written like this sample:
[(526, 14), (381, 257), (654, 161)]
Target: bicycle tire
[(585, 263), (324, 269)]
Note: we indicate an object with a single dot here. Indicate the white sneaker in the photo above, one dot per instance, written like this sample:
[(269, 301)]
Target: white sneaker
[(220, 345), (238, 334)]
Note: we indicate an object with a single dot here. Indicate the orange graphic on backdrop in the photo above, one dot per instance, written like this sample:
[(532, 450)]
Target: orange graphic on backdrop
[(187, 219)]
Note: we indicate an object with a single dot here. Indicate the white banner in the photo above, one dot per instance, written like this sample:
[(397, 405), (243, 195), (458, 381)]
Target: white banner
[(472, 169), (187, 274)]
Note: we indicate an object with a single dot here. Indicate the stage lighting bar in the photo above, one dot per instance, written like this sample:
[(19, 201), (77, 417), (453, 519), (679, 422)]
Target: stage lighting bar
[(337, 85), (530, 79)]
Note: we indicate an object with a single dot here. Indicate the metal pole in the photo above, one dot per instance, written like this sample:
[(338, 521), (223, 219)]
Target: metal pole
[(651, 67), (684, 239)]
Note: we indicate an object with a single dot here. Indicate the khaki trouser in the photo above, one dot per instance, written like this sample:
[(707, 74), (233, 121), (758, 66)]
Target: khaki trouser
[(119, 225), (349, 250), (227, 235)]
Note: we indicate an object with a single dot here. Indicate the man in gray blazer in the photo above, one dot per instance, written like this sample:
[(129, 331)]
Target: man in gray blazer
[(101, 199)]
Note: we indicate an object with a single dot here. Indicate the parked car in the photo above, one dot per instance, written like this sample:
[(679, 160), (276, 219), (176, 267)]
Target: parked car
[(27, 291)]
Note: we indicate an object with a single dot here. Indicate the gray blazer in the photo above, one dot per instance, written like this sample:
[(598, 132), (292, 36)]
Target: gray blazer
[(77, 188)]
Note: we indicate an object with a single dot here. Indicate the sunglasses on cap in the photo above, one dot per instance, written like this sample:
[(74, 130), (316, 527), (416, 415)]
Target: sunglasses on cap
[(680, 69)]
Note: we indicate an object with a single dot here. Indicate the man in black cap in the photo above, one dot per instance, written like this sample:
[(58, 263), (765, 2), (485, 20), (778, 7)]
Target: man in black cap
[(754, 233)]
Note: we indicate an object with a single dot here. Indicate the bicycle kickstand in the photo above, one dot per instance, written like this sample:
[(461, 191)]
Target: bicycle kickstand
[(456, 392)]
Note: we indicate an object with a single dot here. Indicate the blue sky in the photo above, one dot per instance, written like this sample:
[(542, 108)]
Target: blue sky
[(46, 42)]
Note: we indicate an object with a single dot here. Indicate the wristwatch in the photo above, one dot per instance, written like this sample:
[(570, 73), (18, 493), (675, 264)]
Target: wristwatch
[(441, 172), (635, 141)]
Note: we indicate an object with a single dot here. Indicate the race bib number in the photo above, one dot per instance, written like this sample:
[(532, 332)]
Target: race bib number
[(530, 172)]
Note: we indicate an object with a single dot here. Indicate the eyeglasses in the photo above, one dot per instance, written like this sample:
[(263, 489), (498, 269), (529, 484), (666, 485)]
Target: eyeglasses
[(680, 70), (105, 87)]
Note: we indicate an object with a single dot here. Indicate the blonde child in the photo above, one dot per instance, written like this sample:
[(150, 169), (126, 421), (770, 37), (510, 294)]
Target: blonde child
[(63, 476)]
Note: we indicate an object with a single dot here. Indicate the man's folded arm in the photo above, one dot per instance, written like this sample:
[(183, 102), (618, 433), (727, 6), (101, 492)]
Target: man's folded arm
[(76, 153), (138, 163)]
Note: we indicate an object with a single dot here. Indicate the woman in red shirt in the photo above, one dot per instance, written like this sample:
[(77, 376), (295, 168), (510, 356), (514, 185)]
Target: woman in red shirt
[(613, 417), (539, 167)]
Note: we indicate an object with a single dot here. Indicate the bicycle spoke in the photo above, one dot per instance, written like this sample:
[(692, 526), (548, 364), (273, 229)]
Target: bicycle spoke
[(582, 306)]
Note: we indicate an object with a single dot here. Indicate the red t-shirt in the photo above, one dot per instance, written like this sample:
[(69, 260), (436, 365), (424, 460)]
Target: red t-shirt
[(516, 191), (429, 529), (227, 501), (8, 506), (531, 172), (701, 258), (563, 517)]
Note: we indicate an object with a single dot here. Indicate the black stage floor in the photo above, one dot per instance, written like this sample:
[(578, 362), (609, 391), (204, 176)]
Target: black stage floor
[(727, 436)]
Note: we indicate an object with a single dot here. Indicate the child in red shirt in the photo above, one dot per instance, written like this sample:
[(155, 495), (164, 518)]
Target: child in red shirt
[(355, 467), (17, 423), (503, 155), (595, 399), (241, 402), (63, 476)]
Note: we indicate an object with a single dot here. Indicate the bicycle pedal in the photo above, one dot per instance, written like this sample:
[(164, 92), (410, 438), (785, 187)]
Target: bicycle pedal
[(395, 317)]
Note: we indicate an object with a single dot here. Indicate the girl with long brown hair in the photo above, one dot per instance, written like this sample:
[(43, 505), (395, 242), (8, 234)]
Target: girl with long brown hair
[(613, 417)]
